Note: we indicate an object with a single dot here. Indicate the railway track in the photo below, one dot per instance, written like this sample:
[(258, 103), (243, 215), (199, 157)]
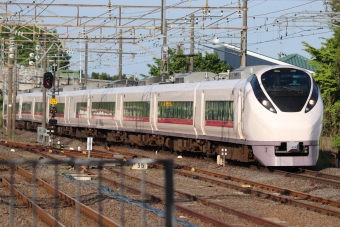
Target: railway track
[(245, 217), (43, 206), (306, 174), (282, 195)]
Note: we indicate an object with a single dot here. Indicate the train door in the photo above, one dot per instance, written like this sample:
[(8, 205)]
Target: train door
[(20, 107), (119, 109), (89, 108), (240, 111), (154, 111), (199, 112), (68, 108)]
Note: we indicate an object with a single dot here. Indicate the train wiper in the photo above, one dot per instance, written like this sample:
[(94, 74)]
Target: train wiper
[(292, 88)]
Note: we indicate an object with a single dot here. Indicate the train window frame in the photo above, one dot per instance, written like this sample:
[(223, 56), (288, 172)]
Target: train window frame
[(26, 106), (80, 104), (60, 108), (109, 108), (219, 110), (136, 109), (4, 110), (38, 107), (17, 105), (175, 109), (288, 88)]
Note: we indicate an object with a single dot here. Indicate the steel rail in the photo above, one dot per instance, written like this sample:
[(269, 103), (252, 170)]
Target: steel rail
[(301, 175), (256, 192), (83, 208), (44, 216), (267, 195), (280, 190), (250, 217), (283, 191), (318, 174), (154, 198)]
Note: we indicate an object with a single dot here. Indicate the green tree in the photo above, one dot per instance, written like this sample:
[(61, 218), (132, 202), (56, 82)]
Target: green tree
[(106, 76), (327, 59), (178, 62), (116, 77), (95, 75), (101, 76), (28, 38), (210, 63)]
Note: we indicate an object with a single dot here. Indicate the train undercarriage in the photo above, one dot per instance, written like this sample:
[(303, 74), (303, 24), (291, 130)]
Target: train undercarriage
[(235, 152)]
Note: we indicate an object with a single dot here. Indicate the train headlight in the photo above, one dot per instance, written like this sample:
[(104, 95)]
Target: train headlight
[(313, 98), (311, 102), (265, 103)]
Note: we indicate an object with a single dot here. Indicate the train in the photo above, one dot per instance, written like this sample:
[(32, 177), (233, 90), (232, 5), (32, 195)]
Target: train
[(270, 115)]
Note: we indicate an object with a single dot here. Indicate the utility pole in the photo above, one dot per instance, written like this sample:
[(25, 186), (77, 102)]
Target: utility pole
[(15, 74), (192, 46), (10, 84), (164, 69), (58, 66), (244, 36), (86, 59), (44, 66), (120, 70)]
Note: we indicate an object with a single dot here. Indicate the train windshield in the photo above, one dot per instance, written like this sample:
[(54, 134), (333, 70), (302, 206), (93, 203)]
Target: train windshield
[(288, 88)]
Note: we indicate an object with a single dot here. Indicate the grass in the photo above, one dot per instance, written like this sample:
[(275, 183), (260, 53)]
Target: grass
[(324, 159)]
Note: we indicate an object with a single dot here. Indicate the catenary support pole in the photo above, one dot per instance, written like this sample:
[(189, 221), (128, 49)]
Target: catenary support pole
[(44, 66), (192, 41), (244, 35), (10, 87), (164, 69)]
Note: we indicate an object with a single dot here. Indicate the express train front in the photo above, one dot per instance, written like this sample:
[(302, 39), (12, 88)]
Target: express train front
[(284, 120)]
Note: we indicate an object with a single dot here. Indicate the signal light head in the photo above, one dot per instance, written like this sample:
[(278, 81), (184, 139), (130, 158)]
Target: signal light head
[(48, 80)]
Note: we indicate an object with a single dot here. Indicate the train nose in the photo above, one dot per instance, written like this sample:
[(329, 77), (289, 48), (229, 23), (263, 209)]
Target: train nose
[(286, 129), (291, 147)]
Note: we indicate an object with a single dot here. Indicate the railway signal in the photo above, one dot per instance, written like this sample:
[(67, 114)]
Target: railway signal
[(48, 80), (53, 111)]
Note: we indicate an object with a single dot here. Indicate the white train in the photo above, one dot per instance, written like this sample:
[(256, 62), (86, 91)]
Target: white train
[(269, 114)]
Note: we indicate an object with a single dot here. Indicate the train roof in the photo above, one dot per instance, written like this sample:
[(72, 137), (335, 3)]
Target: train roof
[(181, 78)]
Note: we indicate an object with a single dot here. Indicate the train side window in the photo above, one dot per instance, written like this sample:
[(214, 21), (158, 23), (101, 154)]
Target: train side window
[(219, 110), (60, 108), (231, 111), (100, 108), (27, 107), (137, 109), (17, 108), (37, 107), (81, 108), (191, 104), (181, 110)]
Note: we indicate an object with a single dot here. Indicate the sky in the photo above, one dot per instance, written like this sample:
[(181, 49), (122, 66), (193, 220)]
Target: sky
[(274, 27)]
